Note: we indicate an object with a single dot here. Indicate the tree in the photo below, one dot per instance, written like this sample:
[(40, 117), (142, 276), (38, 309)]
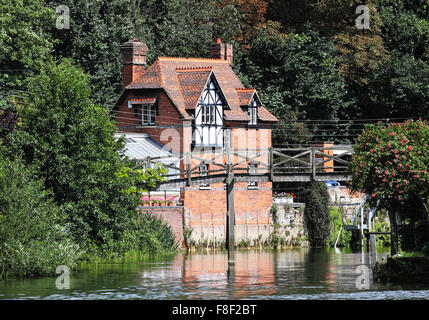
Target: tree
[(317, 213), (69, 140), (298, 78), (34, 239), (97, 29), (391, 165), (399, 89), (406, 26), (361, 50), (168, 27), (25, 41)]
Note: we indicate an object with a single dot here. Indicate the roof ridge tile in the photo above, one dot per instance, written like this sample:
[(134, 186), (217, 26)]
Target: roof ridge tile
[(197, 69), (192, 59)]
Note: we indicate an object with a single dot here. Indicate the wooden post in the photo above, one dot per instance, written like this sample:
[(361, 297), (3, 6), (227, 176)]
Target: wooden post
[(271, 164), (230, 216), (230, 241), (373, 249), (188, 168), (313, 162), (368, 225)]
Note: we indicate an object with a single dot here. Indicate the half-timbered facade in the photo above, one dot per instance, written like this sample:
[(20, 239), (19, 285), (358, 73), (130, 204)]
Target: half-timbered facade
[(200, 105)]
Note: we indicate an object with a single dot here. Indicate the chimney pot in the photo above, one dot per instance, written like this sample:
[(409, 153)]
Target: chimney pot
[(218, 40)]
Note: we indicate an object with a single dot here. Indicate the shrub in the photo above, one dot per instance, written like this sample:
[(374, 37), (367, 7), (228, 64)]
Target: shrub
[(317, 213), (34, 240), (391, 165)]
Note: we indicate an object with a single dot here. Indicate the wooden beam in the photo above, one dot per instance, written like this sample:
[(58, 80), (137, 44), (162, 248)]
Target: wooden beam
[(230, 239)]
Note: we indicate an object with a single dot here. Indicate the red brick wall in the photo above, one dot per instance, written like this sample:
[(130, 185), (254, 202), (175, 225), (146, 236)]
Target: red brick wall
[(173, 216), (205, 210)]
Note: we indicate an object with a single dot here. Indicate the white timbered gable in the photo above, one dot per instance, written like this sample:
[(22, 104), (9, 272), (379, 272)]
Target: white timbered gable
[(208, 121)]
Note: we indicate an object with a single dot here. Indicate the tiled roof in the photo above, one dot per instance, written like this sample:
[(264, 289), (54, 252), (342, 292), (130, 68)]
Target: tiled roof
[(191, 83), (245, 95), (183, 80)]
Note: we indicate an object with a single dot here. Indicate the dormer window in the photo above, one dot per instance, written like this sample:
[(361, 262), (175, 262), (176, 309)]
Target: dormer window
[(252, 111)]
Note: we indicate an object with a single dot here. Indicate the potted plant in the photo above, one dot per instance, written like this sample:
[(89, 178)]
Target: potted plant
[(145, 201), (170, 201), (283, 197)]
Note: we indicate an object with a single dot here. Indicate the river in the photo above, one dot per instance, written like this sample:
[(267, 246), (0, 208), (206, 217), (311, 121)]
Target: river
[(301, 273)]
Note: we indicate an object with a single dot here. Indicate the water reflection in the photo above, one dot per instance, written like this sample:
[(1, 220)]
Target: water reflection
[(287, 274)]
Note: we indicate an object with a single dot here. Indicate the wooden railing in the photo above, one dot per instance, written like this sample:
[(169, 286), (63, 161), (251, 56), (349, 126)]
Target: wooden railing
[(272, 164)]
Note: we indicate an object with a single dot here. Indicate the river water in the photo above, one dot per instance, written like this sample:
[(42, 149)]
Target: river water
[(301, 273)]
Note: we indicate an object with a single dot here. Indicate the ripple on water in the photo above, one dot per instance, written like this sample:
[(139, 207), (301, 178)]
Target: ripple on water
[(290, 274)]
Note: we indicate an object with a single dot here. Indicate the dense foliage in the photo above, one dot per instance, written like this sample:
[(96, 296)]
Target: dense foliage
[(317, 213), (76, 192), (391, 165), (34, 237)]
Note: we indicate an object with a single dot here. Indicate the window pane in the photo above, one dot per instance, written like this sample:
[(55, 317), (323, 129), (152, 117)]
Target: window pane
[(212, 114), (144, 114), (153, 114)]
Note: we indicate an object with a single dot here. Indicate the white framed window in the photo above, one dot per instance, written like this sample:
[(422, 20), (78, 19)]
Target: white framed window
[(208, 114), (252, 111), (148, 114), (252, 171), (204, 168)]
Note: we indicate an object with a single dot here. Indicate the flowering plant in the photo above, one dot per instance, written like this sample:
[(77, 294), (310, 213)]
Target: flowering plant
[(171, 199), (391, 165), (284, 195)]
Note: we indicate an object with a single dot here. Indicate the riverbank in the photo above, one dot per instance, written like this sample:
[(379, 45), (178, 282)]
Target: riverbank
[(401, 269)]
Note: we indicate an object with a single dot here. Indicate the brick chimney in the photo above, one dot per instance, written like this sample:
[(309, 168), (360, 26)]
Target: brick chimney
[(222, 51), (133, 60)]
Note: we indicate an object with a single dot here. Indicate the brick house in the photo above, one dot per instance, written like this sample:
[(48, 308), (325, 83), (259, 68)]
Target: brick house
[(199, 104)]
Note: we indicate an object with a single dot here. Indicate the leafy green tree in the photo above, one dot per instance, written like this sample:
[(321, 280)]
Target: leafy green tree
[(361, 50), (70, 142), (168, 27), (399, 89), (34, 239), (406, 26), (97, 29), (25, 42), (298, 78), (391, 165)]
